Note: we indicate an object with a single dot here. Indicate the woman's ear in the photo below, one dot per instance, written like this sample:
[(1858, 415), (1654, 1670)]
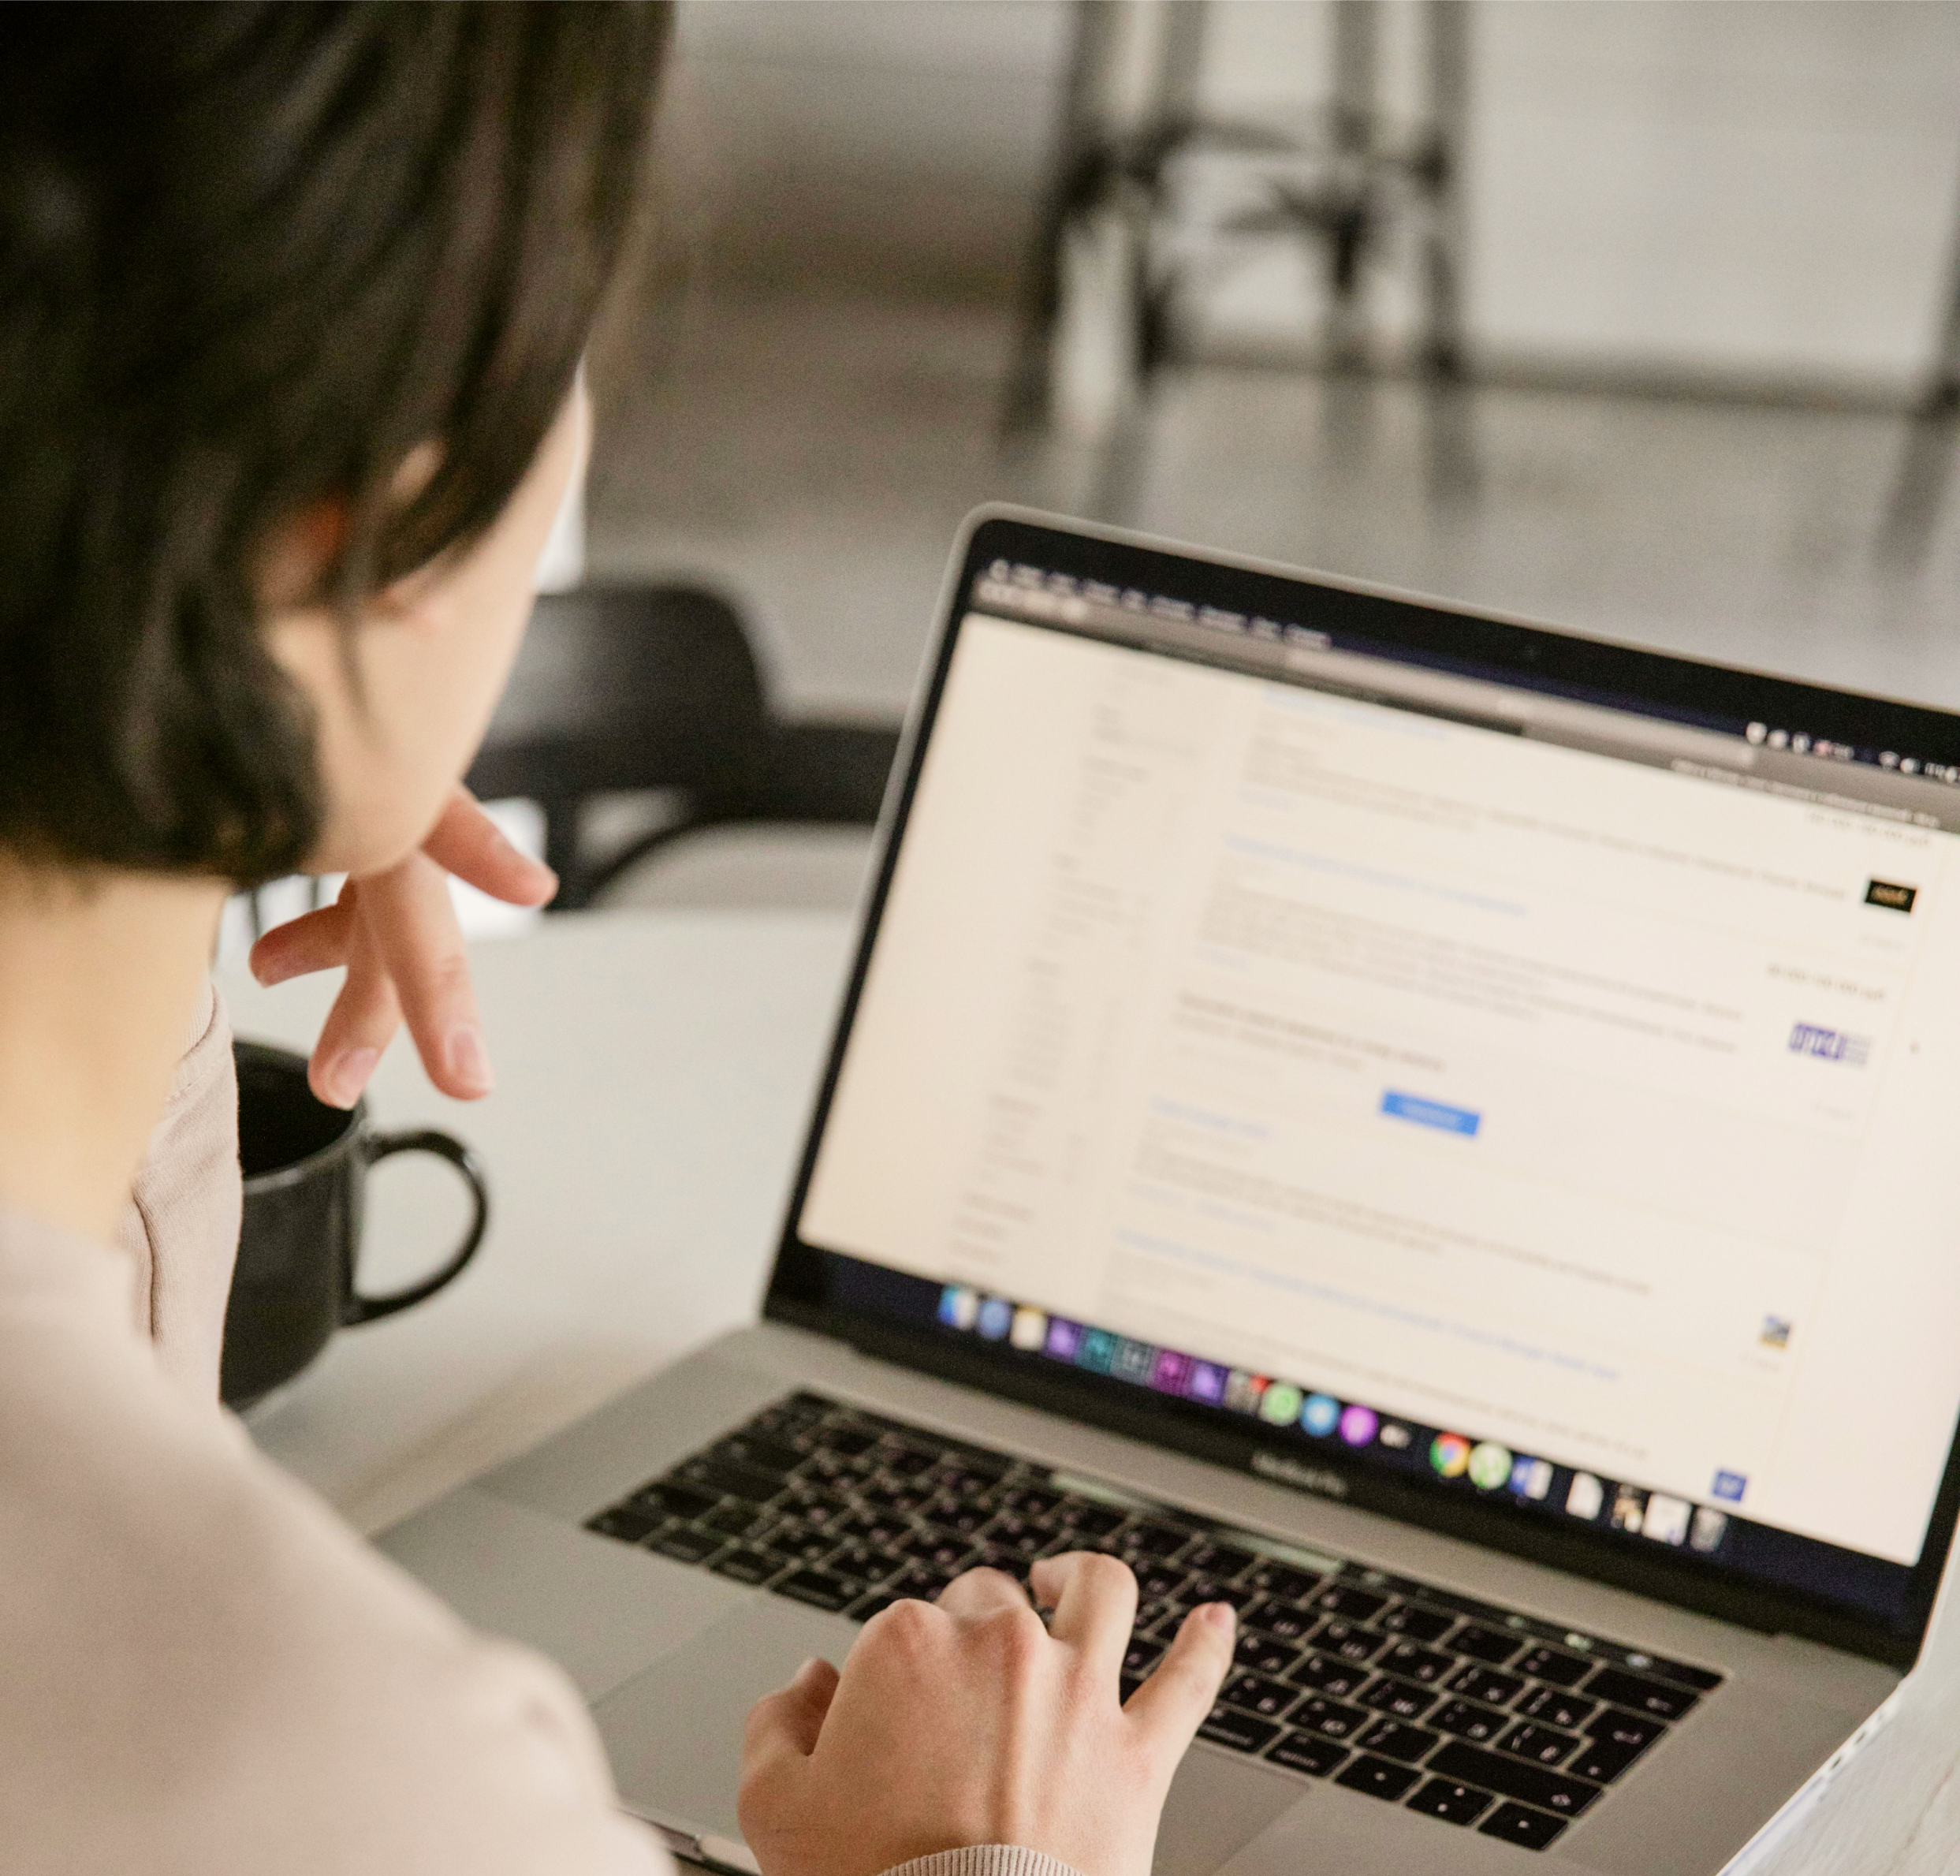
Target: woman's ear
[(299, 554)]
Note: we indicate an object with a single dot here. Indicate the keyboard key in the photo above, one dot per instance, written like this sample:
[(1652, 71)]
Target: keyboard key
[(819, 1589), (1513, 1778), (728, 1481), (1302, 1752), (962, 1516), (1378, 1777), (940, 1549), (905, 1462), (1227, 1726), (1487, 1684), (627, 1522), (1208, 1589), (797, 1540), (1033, 1500), (1089, 1520), (1529, 1829), (1490, 1645), (1401, 1698), (1329, 1674), (1468, 1721), (1542, 1745), (1287, 1620), (1350, 1642), (1704, 1680), (1155, 1540), (1222, 1561), (1557, 1708), (736, 1520), (1024, 1536), (1602, 1762), (1157, 1582), (1453, 1802), (765, 1455), (1392, 1739), (868, 1562), (1413, 1661), (1555, 1665), (846, 1442), (745, 1565), (675, 1501), (1419, 1624), (1263, 1654), (1142, 1656), (1283, 1581), (1653, 1697), (685, 1545), (1612, 1727), (1338, 1599), (1329, 1719), (1255, 1694)]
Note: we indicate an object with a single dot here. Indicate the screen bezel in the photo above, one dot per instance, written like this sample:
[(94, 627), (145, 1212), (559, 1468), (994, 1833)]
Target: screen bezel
[(1446, 637)]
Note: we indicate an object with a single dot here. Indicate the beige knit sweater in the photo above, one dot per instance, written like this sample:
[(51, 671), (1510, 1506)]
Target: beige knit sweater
[(203, 1672)]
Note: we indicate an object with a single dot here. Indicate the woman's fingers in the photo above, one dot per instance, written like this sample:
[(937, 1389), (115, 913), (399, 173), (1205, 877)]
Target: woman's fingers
[(982, 1592), (470, 844), (408, 915), (787, 1722), (362, 1023), (1172, 1703), (316, 941), (1095, 1602)]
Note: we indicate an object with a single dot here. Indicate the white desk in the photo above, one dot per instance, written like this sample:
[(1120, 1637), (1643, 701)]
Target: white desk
[(655, 1071)]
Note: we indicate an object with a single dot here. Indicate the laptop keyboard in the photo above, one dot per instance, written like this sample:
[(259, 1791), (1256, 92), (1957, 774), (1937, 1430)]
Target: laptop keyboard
[(1470, 1713)]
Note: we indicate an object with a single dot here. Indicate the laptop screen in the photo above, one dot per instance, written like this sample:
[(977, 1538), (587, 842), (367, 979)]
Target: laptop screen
[(1443, 1069)]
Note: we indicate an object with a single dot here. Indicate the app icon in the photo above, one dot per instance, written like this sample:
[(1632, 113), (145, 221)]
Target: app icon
[(1450, 1454), (1064, 1337), (1279, 1403), (959, 1306), (1396, 1437), (1709, 1528), (1532, 1477), (1168, 1374), (1242, 1391), (1730, 1486), (996, 1313), (1630, 1509), (1666, 1519), (1775, 1332), (1585, 1496), (1030, 1329), (1321, 1414), (1358, 1426), (1206, 1382), (1490, 1466), (1132, 1360), (1098, 1349)]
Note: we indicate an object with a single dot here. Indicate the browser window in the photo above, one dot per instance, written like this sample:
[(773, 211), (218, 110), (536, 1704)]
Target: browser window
[(1510, 1063)]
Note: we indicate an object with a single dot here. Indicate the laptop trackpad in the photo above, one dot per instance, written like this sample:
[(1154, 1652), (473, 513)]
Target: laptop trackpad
[(674, 1731), (674, 1734)]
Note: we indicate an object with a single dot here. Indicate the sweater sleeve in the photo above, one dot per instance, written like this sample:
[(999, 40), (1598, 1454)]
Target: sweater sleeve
[(985, 1859), (181, 1231)]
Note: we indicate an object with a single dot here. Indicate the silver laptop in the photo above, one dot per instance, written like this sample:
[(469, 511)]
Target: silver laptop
[(1436, 1130)]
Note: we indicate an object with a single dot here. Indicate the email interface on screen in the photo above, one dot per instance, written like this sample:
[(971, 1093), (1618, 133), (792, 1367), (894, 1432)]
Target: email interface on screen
[(1420, 1056)]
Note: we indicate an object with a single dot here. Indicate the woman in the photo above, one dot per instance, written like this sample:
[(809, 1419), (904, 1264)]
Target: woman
[(292, 301)]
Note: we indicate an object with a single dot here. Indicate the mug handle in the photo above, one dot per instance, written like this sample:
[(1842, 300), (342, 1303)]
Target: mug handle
[(424, 1140)]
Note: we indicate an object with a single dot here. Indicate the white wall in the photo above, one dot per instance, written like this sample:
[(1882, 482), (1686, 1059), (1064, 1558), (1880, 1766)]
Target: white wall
[(1764, 187)]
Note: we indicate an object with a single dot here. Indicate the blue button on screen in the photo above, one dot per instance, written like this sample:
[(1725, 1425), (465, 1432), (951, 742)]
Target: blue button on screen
[(1431, 1113)]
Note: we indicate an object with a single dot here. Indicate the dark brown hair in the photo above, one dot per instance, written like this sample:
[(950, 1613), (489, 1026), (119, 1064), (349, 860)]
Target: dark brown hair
[(250, 256)]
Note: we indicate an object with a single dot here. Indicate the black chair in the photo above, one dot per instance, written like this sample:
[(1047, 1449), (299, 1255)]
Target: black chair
[(634, 689)]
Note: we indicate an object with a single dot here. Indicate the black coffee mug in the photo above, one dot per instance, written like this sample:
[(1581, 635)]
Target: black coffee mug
[(305, 1167)]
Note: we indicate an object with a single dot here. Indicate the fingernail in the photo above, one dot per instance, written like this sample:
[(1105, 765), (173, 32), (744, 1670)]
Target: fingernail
[(469, 1061), (804, 1672), (1221, 1615), (347, 1074)]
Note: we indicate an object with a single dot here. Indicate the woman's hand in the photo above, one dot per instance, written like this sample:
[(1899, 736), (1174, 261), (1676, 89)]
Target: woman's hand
[(397, 933), (967, 1722)]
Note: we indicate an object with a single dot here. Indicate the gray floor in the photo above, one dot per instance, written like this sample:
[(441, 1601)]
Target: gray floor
[(814, 459)]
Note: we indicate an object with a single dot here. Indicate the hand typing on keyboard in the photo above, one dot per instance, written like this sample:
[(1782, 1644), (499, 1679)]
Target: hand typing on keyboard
[(966, 1721)]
